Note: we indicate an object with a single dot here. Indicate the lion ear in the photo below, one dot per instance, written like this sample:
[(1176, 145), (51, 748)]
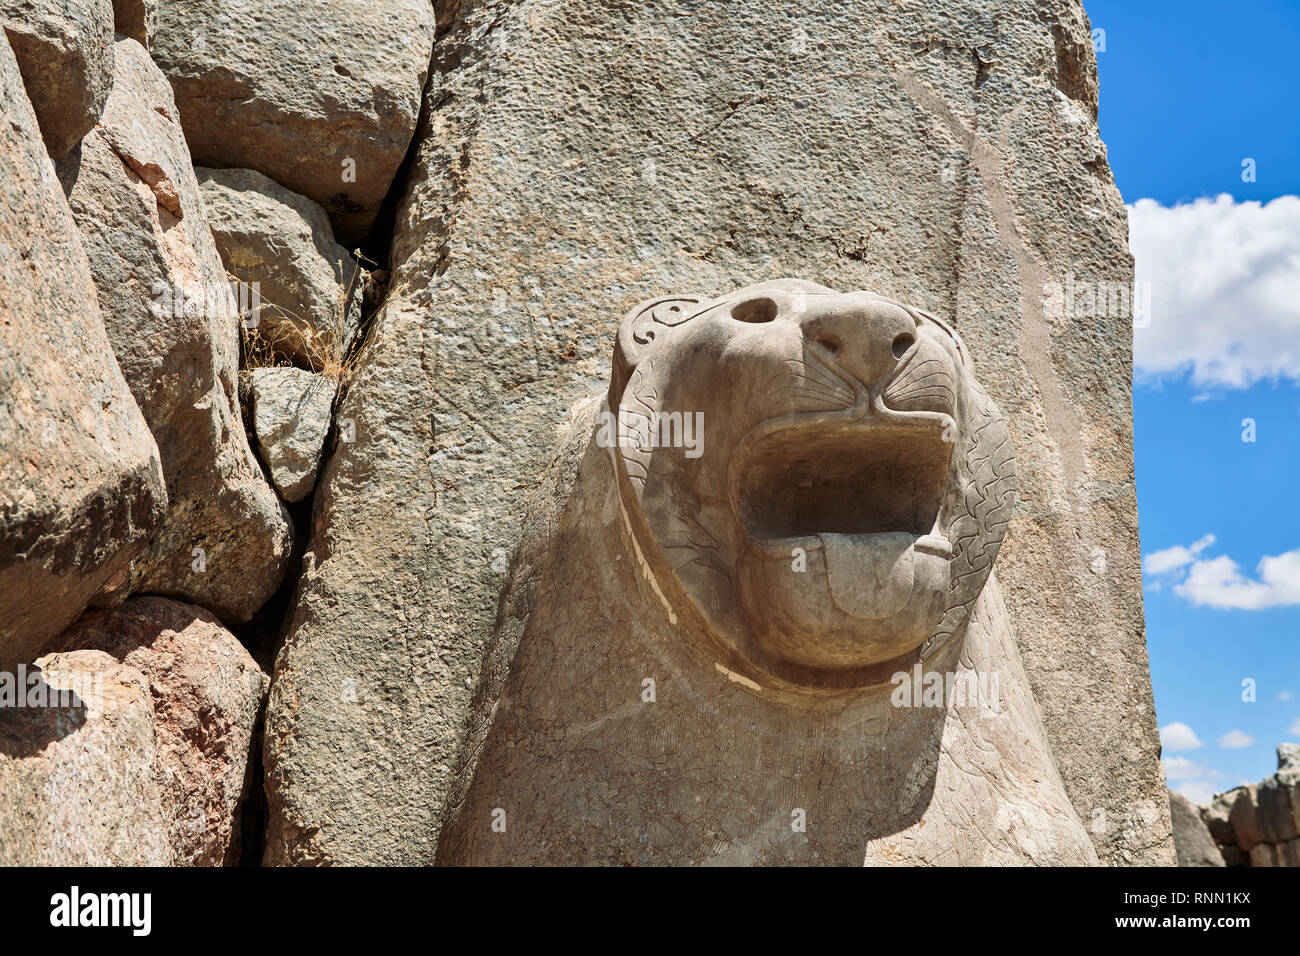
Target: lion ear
[(639, 331)]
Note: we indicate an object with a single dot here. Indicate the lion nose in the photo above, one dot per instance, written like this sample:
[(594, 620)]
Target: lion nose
[(866, 336)]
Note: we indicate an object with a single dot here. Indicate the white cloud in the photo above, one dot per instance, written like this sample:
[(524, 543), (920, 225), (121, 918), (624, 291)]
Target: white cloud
[(1197, 791), (1180, 768), (1236, 739), (1294, 729), (1219, 583), (1284, 695), (1162, 562), (1178, 736), (1223, 277), (1195, 781)]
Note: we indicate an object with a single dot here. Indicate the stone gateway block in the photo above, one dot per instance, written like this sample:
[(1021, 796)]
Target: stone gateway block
[(576, 159)]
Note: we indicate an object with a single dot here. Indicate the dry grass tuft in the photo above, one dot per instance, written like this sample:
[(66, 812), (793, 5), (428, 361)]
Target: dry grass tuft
[(283, 338)]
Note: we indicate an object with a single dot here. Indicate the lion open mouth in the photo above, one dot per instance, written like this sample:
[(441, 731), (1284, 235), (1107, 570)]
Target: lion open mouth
[(868, 496), (806, 481)]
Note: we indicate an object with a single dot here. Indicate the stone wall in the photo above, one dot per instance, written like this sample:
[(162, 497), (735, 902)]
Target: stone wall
[(147, 552), (314, 502), (1254, 825)]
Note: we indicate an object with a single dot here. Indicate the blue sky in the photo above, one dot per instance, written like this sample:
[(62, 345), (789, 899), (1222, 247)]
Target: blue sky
[(1189, 90)]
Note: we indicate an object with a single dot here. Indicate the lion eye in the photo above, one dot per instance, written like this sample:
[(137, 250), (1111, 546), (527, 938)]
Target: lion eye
[(755, 310), (902, 343)]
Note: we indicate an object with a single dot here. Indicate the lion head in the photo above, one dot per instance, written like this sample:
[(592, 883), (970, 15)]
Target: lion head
[(820, 472)]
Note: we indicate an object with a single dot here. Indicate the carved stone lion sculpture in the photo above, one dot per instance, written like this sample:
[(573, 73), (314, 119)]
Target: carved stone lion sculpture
[(753, 617), (847, 430)]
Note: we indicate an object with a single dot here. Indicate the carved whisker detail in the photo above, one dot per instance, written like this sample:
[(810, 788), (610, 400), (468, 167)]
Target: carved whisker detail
[(812, 384), (929, 378)]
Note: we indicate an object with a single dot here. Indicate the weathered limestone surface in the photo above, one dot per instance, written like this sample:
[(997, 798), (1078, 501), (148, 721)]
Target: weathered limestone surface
[(578, 158), (321, 97), (226, 540), (65, 54), (291, 417), (81, 487), (308, 284), (1192, 839), (147, 763)]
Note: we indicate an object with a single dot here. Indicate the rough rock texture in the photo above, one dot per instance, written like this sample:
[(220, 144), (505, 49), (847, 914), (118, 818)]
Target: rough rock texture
[(136, 19), (226, 539), (1192, 839), (578, 158), (321, 97), (65, 54), (81, 486), (147, 763), (308, 283), (291, 417)]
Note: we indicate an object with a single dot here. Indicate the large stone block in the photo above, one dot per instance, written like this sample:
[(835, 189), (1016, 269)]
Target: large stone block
[(1278, 799), (308, 285), (166, 301), (323, 98), (81, 487), (1192, 839), (143, 759), (1218, 814), (1288, 853), (291, 417), (578, 158), (1244, 819), (1263, 854), (65, 54)]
